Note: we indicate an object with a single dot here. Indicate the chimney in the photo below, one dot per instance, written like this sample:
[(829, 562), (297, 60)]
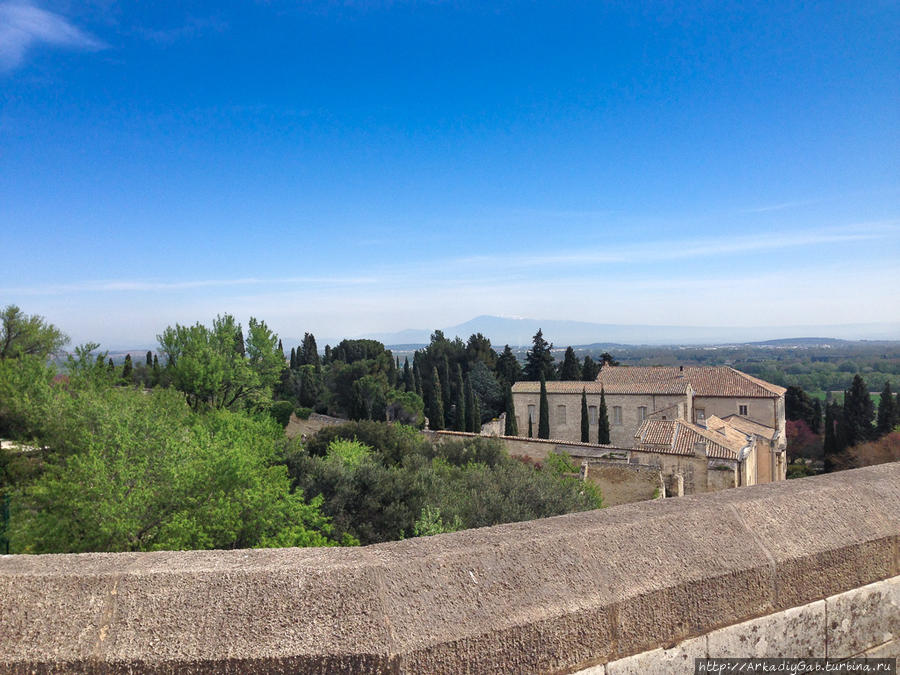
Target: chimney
[(680, 369)]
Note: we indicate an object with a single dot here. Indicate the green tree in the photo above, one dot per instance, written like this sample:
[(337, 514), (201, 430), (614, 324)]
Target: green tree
[(585, 422), (858, 413), (207, 366), (24, 335), (436, 411), (544, 412), (127, 370), (144, 474), (571, 368), (602, 420), (590, 370), (408, 383), (507, 367), (539, 359), (606, 359), (459, 413), (479, 348), (293, 358), (470, 405), (830, 444), (149, 359), (886, 413), (309, 352), (512, 425)]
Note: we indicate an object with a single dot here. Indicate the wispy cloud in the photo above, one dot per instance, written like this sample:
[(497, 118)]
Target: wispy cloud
[(124, 285), (661, 251), (23, 26)]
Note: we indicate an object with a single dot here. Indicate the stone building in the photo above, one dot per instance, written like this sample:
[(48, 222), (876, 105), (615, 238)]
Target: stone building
[(718, 416)]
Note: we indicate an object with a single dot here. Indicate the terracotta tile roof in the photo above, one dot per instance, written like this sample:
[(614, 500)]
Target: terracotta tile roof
[(558, 387), (704, 380), (678, 437), (749, 426)]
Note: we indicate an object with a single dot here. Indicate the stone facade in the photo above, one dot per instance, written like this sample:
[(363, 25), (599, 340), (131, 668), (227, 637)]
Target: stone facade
[(738, 403)]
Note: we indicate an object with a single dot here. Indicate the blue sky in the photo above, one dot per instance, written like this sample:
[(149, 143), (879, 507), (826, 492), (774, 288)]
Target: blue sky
[(371, 166)]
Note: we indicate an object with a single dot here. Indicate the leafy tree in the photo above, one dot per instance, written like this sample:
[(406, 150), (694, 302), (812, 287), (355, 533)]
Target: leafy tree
[(886, 413), (512, 425), (585, 421), (459, 414), (602, 420), (405, 407), (127, 370), (24, 335), (207, 366), (858, 413), (798, 405), (539, 359), (590, 370), (508, 369), (488, 391), (436, 412), (281, 412), (479, 348), (571, 368), (144, 474), (544, 412)]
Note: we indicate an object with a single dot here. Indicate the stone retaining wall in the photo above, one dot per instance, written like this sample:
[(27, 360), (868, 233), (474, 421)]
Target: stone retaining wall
[(555, 595)]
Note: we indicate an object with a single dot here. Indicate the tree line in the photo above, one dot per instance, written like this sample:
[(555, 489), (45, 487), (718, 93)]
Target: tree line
[(187, 449)]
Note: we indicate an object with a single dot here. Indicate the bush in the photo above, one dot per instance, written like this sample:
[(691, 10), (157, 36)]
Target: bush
[(303, 413), (281, 412)]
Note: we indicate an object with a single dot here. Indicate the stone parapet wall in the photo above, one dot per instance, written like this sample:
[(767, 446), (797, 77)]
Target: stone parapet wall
[(555, 595), (861, 623)]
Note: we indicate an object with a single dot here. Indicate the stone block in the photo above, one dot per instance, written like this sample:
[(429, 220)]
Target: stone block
[(863, 618), (798, 632), (673, 661), (889, 650)]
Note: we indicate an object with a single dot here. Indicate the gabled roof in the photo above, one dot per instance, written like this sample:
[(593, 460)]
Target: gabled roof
[(748, 426), (678, 437), (704, 380)]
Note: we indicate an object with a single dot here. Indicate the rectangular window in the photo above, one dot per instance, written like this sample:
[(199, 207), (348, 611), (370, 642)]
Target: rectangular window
[(617, 414), (642, 413), (742, 410), (700, 414), (531, 414), (560, 414), (592, 414)]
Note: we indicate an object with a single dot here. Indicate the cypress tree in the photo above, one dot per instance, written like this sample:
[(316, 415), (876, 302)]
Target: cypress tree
[(308, 354), (293, 359), (544, 413), (444, 372), (602, 420), (281, 349), (327, 353), (459, 419), (155, 370), (585, 422), (512, 425), (470, 405), (830, 447), (407, 376), (111, 367), (436, 411), (127, 369), (858, 413), (476, 418), (886, 412), (571, 368), (816, 419), (149, 359), (530, 431), (417, 377), (590, 370)]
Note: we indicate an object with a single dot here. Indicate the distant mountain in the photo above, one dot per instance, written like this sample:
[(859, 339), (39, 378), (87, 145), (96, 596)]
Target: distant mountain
[(519, 332)]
